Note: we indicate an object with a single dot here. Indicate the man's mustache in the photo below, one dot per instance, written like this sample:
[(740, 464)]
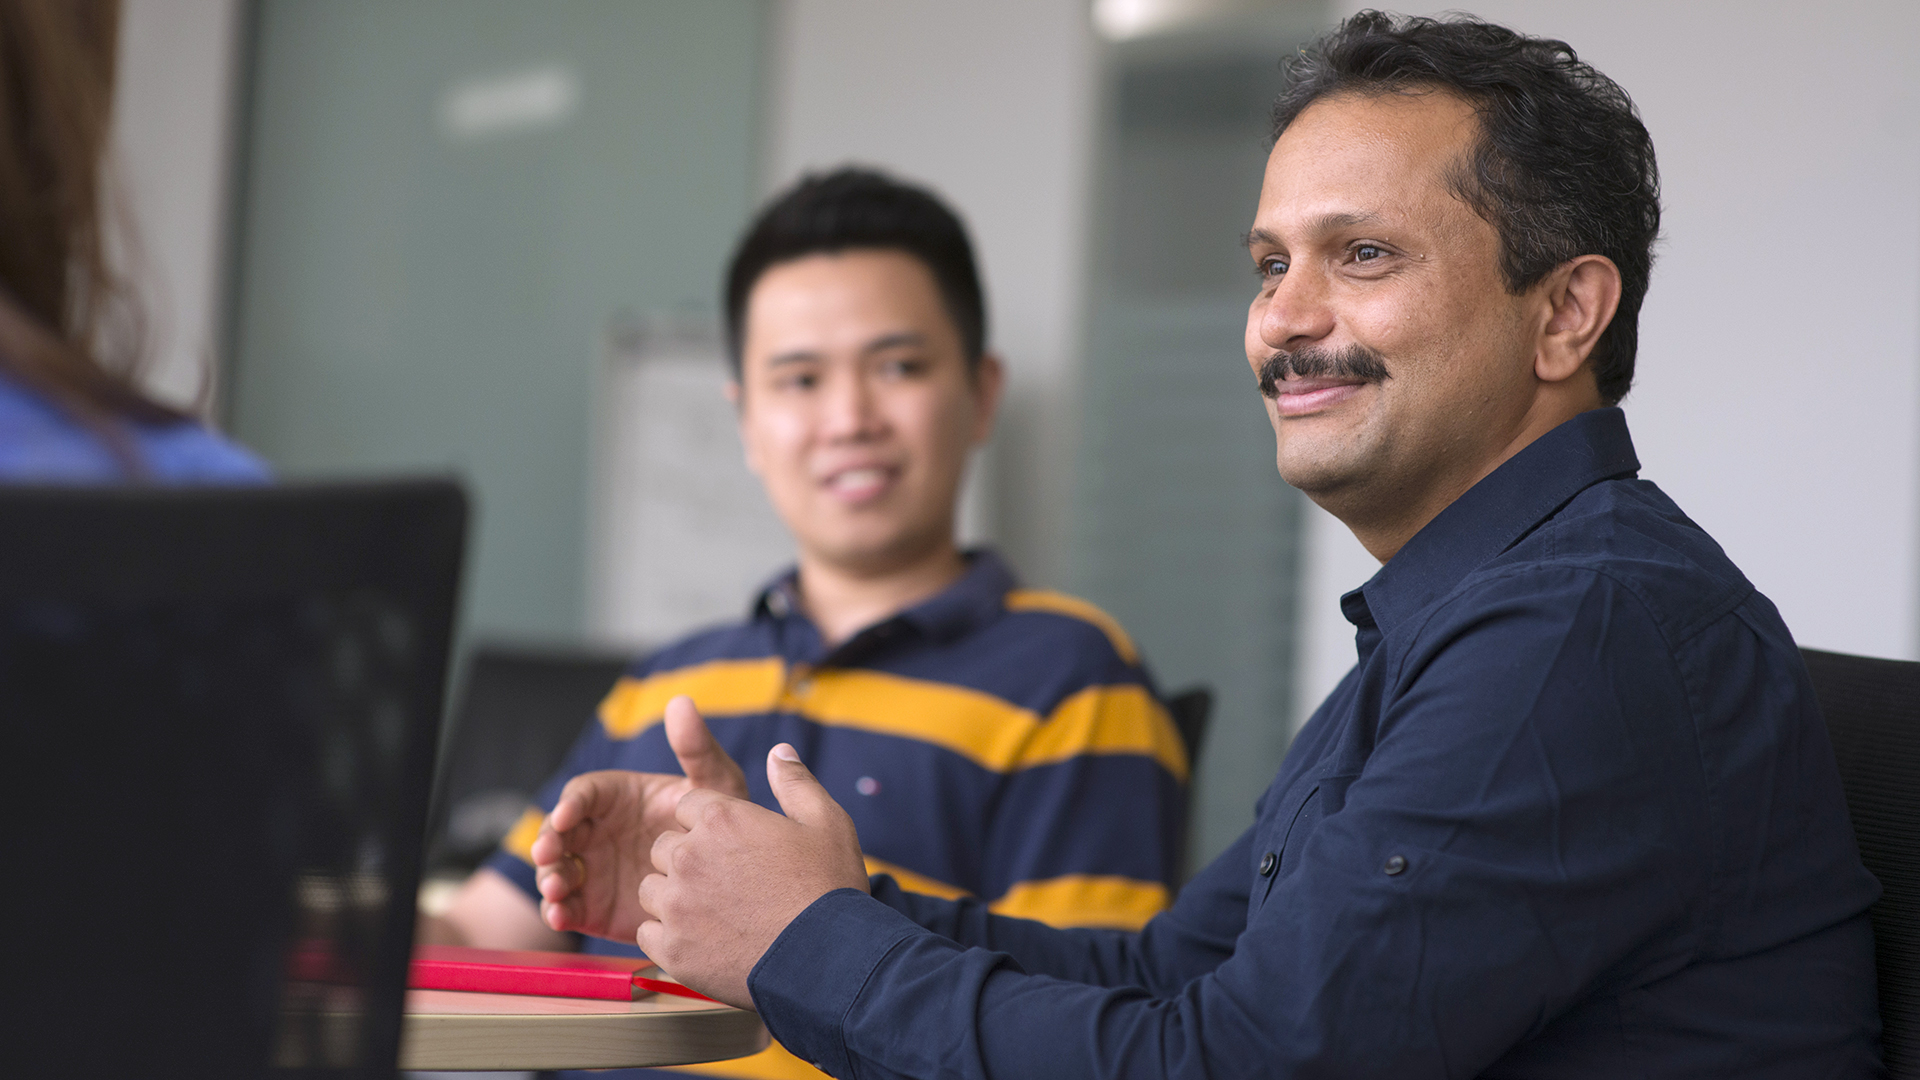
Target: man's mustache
[(1352, 362)]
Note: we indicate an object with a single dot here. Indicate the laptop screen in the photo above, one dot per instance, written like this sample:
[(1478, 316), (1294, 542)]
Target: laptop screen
[(224, 706)]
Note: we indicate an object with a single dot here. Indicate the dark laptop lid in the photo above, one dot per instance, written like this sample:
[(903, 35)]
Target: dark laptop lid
[(222, 707)]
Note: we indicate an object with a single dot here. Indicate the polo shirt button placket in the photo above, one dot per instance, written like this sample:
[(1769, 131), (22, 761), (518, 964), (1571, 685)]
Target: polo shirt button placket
[(799, 682), (1268, 863)]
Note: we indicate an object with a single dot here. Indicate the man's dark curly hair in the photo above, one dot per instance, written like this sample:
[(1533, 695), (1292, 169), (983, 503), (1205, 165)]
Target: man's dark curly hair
[(1563, 167)]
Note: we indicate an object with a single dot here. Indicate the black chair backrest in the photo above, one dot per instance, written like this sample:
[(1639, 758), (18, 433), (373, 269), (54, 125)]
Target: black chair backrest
[(517, 714), (223, 705), (1190, 709), (1872, 709)]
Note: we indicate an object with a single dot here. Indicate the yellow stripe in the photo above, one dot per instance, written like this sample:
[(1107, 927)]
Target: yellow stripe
[(1109, 720), (991, 731), (983, 727), (519, 839), (1085, 900), (1074, 900), (776, 1062), (719, 687), (1062, 604), (996, 734), (913, 882)]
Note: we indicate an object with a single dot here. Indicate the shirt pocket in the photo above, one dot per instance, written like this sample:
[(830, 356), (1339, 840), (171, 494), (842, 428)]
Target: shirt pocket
[(1271, 858)]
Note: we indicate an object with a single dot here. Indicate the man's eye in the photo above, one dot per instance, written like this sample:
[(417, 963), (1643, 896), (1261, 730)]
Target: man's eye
[(1270, 268), (1368, 252), (906, 369), (800, 381)]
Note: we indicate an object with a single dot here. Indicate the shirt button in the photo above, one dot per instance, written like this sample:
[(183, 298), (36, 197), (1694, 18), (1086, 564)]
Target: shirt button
[(1267, 863), (1395, 864)]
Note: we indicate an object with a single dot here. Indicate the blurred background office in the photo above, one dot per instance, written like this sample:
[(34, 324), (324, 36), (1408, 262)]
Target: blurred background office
[(486, 236)]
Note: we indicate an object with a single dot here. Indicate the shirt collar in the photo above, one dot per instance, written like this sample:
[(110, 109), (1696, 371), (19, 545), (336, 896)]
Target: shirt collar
[(970, 602), (1495, 514)]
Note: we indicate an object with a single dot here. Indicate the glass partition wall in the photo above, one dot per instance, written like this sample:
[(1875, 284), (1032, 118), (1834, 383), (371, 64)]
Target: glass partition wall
[(1183, 529)]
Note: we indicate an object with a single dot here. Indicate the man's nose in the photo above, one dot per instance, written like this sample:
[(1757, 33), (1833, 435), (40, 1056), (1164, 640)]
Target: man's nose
[(852, 407), (1297, 312)]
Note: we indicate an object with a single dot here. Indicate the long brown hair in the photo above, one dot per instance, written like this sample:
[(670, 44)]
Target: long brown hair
[(70, 327)]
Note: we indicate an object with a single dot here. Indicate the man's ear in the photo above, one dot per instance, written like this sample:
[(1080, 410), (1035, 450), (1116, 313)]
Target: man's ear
[(1581, 296), (732, 390), (989, 379)]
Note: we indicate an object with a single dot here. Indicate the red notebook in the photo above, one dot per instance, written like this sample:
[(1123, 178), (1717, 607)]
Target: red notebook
[(548, 974)]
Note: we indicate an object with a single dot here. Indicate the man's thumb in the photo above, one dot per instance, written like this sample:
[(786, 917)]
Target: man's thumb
[(801, 796), (699, 754)]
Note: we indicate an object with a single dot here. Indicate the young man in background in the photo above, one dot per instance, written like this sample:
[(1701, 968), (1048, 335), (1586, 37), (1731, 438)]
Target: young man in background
[(989, 741)]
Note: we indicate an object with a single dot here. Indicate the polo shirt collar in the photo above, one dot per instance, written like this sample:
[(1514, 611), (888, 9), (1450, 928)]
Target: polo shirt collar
[(975, 599), (1494, 515)]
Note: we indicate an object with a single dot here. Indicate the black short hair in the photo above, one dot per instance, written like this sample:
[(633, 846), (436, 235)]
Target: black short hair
[(850, 209), (1564, 167)]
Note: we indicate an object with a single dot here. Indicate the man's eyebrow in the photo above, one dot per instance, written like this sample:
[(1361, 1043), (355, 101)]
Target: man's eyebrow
[(1322, 224), (795, 356), (1346, 220), (905, 338)]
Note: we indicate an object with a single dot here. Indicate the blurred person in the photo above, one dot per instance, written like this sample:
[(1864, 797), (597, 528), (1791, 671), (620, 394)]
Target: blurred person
[(70, 342), (989, 740), (1573, 813)]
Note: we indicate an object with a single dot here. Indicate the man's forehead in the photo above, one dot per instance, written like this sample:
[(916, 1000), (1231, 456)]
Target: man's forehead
[(844, 304), (847, 346), (1435, 112), (1353, 159)]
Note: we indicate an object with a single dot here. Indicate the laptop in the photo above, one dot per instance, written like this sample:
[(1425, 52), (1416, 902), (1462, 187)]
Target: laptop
[(222, 706)]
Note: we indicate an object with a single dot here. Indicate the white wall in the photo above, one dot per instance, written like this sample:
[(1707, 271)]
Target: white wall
[(1778, 398), (172, 130), (991, 103)]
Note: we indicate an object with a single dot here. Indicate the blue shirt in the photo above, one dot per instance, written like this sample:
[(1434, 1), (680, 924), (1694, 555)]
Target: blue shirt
[(992, 742), (40, 443), (1573, 814)]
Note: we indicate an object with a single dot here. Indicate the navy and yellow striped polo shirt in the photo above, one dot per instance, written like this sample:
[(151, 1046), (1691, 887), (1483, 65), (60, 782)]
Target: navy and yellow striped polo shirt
[(992, 741)]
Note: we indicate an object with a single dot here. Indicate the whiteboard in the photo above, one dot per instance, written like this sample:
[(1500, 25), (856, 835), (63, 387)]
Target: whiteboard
[(682, 533)]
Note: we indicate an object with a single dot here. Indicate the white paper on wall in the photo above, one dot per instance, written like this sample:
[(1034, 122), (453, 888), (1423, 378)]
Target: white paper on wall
[(682, 533)]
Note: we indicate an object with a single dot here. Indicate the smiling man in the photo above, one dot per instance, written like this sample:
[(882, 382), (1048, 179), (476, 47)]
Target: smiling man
[(990, 741), (1572, 813)]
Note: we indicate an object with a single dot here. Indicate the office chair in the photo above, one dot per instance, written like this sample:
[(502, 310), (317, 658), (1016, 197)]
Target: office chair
[(1872, 708), (1190, 709)]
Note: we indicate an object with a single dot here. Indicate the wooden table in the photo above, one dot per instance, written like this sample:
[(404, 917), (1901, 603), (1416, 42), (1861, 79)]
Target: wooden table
[(446, 1029)]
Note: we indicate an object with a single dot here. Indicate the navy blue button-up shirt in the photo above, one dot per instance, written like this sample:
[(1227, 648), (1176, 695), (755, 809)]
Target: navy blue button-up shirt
[(1573, 814)]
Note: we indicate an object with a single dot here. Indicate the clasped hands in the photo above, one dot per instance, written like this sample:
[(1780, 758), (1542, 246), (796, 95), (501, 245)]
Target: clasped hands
[(701, 878)]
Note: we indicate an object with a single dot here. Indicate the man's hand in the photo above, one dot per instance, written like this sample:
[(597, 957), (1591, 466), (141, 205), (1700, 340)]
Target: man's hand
[(592, 851), (722, 890)]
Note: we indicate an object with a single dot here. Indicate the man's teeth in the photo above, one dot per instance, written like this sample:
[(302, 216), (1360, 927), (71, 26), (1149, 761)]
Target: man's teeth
[(860, 478)]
